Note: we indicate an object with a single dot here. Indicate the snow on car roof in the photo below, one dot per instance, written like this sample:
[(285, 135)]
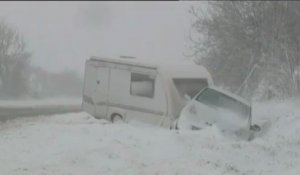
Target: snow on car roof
[(236, 97)]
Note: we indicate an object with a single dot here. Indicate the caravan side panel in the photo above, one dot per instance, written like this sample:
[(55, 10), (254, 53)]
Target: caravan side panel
[(89, 88), (127, 95)]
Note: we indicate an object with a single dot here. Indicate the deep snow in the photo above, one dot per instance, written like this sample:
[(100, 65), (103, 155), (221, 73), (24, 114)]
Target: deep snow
[(79, 144)]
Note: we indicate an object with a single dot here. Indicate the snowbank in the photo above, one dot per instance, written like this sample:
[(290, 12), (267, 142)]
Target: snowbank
[(80, 144)]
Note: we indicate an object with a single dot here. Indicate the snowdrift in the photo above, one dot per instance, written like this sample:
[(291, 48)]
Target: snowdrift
[(80, 144)]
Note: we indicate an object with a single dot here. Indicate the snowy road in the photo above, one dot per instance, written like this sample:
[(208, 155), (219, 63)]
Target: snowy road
[(8, 113), (76, 143), (24, 108)]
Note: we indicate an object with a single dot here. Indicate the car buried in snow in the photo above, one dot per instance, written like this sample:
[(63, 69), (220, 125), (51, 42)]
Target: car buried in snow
[(213, 106)]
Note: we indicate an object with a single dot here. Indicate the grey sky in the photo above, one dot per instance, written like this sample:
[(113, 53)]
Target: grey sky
[(64, 34)]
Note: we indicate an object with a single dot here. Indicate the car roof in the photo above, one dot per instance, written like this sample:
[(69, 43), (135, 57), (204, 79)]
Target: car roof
[(234, 96)]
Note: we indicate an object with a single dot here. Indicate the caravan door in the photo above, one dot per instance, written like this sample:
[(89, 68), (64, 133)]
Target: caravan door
[(102, 85)]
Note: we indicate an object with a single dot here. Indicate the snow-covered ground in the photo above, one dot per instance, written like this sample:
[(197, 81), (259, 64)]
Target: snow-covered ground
[(40, 102), (79, 144)]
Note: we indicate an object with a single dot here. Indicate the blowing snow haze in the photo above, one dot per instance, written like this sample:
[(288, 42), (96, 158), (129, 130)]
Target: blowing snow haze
[(67, 108), (62, 35)]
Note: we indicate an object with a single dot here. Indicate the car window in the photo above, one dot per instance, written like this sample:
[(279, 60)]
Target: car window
[(215, 98), (208, 97)]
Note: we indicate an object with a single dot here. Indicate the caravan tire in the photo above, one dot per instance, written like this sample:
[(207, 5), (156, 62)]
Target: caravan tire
[(116, 118)]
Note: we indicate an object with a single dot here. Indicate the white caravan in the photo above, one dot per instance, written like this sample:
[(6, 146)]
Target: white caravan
[(130, 89)]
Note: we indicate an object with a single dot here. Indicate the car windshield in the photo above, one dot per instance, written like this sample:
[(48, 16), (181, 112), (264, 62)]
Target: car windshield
[(211, 97), (189, 86)]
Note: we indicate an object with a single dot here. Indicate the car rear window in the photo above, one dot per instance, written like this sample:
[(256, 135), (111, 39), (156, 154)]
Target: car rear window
[(215, 98)]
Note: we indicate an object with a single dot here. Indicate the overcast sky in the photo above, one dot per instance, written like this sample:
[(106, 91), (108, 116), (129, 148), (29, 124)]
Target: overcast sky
[(64, 34)]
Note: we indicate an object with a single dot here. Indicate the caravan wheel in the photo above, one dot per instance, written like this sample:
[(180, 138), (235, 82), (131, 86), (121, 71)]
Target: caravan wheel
[(117, 118)]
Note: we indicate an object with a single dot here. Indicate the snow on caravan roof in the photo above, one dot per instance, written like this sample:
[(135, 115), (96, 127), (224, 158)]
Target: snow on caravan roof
[(185, 70), (132, 62), (178, 69)]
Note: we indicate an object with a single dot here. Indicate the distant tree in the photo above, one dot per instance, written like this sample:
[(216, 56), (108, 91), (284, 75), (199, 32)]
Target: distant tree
[(55, 84), (244, 43), (14, 62), (68, 83)]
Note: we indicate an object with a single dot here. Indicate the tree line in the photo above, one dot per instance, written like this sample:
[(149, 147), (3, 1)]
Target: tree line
[(252, 48), (19, 79)]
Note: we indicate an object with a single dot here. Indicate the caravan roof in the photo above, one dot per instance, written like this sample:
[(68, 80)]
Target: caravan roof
[(177, 69), (129, 62)]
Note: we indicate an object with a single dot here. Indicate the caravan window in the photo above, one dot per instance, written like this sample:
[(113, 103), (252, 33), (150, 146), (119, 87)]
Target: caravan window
[(189, 86), (142, 85)]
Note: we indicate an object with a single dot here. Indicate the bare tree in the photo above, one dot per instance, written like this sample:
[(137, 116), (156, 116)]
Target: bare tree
[(244, 43), (49, 84), (14, 62)]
